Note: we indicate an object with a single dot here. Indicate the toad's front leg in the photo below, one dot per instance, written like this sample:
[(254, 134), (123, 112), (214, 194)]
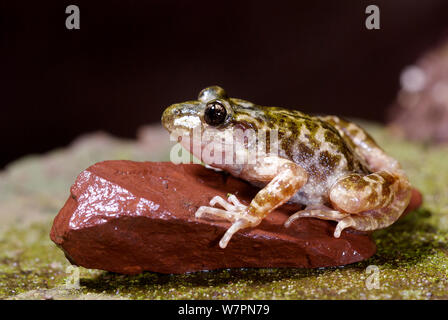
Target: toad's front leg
[(283, 177)]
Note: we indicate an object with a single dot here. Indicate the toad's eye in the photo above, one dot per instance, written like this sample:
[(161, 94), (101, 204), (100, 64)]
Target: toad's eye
[(215, 113)]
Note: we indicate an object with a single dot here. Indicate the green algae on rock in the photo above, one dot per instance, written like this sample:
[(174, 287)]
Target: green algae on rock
[(412, 256)]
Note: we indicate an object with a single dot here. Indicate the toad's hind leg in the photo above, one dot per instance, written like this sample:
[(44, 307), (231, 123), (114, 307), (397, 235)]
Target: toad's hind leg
[(374, 201)]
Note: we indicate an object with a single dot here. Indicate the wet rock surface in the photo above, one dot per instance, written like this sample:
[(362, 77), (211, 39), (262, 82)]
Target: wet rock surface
[(128, 217)]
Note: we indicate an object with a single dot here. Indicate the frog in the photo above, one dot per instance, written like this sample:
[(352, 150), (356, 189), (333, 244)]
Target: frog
[(329, 166)]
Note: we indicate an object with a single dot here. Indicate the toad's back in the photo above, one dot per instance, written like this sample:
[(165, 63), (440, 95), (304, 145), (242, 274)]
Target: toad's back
[(312, 142)]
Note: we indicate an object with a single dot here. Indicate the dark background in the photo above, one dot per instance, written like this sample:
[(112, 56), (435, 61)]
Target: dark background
[(131, 59)]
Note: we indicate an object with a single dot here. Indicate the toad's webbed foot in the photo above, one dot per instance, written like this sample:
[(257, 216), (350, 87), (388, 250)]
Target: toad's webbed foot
[(234, 211)]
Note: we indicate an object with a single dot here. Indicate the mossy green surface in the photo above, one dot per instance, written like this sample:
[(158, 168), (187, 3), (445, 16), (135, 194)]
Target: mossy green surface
[(412, 257)]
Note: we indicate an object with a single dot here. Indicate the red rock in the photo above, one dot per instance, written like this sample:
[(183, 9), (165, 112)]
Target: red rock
[(128, 217), (415, 203)]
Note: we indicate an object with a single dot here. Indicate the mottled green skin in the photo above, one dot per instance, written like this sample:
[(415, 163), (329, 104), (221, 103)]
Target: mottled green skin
[(308, 141), (301, 136), (412, 254)]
